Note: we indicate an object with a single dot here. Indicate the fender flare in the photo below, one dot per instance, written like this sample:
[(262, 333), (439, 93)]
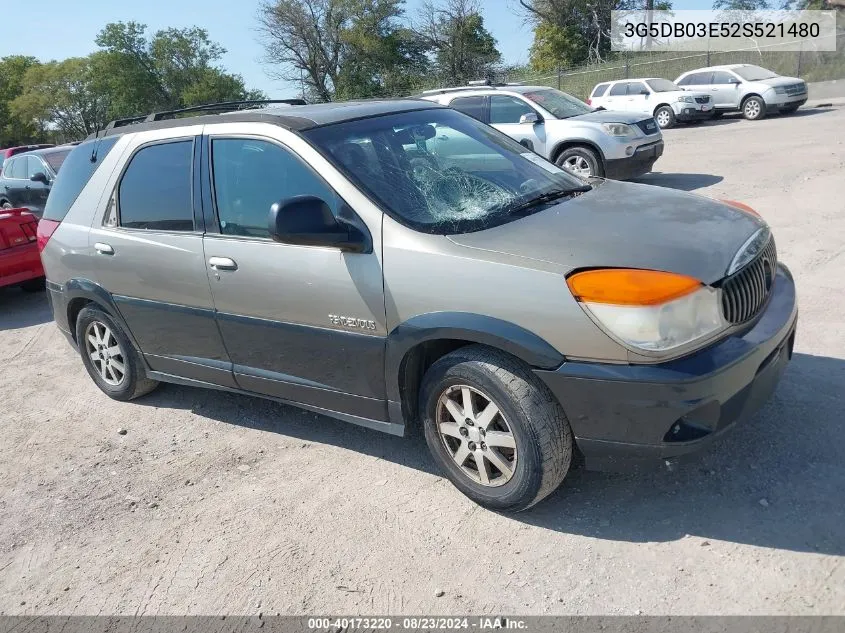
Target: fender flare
[(466, 326), (575, 141), (86, 289)]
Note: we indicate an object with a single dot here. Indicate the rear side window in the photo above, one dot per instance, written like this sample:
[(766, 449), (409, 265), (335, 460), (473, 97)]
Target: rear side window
[(250, 175), (77, 170), (15, 168), (599, 90), (155, 190), (619, 90), (473, 106)]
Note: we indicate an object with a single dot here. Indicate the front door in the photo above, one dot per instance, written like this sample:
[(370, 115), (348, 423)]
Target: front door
[(301, 323), (638, 102), (148, 255), (36, 191), (505, 114), (724, 88)]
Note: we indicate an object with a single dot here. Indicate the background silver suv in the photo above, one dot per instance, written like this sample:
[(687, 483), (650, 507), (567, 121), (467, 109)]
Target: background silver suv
[(339, 258), (563, 129), (750, 89)]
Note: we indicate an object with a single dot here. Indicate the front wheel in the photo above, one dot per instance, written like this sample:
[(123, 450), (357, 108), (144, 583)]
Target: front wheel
[(665, 117), (494, 429), (109, 357), (754, 108), (581, 161)]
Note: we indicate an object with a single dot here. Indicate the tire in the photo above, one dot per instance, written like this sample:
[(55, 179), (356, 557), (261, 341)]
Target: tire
[(133, 381), (534, 440), (666, 115), (754, 108), (5, 205), (34, 285), (579, 156)]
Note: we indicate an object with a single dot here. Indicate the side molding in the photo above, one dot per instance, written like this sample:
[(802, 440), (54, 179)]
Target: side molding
[(87, 289), (465, 326)]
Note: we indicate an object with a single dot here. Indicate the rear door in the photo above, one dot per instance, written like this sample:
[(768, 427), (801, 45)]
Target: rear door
[(15, 190), (302, 323), (148, 253), (505, 114)]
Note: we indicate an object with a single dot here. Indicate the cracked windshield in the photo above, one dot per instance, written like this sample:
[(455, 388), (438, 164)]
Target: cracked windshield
[(442, 172)]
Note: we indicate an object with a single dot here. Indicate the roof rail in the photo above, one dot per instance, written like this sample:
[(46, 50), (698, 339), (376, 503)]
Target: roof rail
[(223, 106), (443, 91)]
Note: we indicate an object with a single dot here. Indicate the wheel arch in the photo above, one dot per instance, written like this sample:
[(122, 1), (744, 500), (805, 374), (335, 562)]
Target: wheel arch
[(413, 346), (660, 105), (79, 293), (747, 97), (568, 143)]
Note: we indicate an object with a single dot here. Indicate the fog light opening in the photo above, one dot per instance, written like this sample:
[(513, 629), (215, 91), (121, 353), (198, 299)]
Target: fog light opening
[(629, 151), (685, 430)]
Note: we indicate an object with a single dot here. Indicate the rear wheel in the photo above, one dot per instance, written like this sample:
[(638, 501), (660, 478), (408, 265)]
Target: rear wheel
[(581, 161), (665, 117), (109, 357), (754, 108), (494, 429)]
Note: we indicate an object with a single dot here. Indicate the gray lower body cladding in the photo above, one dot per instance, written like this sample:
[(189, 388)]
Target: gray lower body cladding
[(627, 416), (638, 164)]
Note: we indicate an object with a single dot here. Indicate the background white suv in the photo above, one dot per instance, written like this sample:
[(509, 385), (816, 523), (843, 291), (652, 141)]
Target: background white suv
[(561, 128), (750, 89), (661, 98)]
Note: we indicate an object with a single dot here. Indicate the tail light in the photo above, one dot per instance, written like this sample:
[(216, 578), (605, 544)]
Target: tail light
[(46, 228), (589, 102)]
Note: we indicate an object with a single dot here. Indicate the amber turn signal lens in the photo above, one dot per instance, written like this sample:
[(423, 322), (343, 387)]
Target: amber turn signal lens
[(741, 207), (625, 286)]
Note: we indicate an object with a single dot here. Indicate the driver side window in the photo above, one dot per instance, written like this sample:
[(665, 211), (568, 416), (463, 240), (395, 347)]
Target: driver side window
[(249, 175)]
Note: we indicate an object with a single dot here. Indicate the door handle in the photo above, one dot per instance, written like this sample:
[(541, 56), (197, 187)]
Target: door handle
[(103, 249), (222, 263)]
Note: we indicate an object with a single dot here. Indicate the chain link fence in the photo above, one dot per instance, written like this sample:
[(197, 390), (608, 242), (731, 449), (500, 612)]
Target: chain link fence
[(579, 81)]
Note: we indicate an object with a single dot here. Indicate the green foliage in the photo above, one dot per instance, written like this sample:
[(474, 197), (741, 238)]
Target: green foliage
[(15, 130), (556, 47)]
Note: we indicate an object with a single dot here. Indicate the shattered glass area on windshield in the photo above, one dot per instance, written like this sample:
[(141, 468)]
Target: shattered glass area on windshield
[(438, 170)]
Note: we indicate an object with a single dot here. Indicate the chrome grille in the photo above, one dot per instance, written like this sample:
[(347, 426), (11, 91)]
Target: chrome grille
[(702, 99), (793, 90), (745, 292)]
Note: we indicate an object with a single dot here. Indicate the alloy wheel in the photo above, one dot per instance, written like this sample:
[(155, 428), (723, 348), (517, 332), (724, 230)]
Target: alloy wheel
[(476, 435), (752, 109), (105, 352), (662, 118), (578, 165)]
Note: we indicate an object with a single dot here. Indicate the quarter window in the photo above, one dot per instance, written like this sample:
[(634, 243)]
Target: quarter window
[(619, 90), (250, 175), (16, 168), (155, 191), (504, 109), (599, 90)]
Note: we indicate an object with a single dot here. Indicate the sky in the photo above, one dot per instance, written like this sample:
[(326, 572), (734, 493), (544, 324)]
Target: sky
[(67, 28)]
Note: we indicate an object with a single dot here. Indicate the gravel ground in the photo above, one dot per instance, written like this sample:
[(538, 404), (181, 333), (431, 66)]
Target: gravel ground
[(213, 503)]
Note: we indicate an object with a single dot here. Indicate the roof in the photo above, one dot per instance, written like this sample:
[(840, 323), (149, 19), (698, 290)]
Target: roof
[(722, 67), (294, 117)]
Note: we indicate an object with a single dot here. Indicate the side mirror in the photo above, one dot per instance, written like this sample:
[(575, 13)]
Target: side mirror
[(735, 81), (40, 176), (309, 221), (529, 117)]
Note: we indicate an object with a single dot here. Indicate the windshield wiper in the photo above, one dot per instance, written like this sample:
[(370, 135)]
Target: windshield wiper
[(548, 197)]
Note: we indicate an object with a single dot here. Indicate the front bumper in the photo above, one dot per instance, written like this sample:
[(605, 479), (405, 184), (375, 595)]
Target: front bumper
[(635, 165), (694, 114), (629, 416)]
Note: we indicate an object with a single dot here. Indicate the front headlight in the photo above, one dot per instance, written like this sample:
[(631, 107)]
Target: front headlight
[(649, 310), (780, 90), (618, 129), (686, 99)]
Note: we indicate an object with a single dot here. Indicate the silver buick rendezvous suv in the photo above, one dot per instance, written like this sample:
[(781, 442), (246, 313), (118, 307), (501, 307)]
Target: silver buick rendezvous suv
[(337, 258)]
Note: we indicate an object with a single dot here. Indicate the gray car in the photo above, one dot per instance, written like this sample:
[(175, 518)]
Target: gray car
[(584, 140), (337, 258), (746, 88)]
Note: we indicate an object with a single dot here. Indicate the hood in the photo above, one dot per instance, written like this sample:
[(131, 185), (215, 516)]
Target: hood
[(625, 225), (608, 116), (779, 81)]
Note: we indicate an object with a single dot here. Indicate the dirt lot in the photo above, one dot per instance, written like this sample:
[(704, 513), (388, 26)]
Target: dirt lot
[(213, 503)]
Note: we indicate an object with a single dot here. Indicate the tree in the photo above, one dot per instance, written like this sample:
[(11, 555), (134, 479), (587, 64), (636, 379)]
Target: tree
[(556, 47), (454, 31), (340, 48), (176, 68), (15, 130), (69, 94)]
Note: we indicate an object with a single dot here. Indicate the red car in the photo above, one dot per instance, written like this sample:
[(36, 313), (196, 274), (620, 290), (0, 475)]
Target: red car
[(20, 263)]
